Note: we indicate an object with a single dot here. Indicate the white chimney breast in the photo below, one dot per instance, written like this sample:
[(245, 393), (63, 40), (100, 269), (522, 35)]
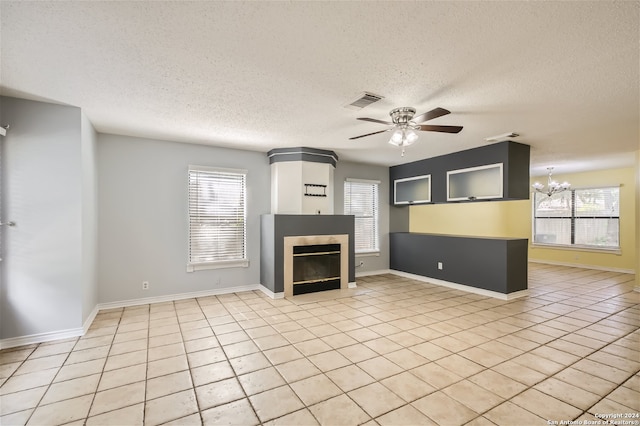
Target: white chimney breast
[(288, 189), (289, 174)]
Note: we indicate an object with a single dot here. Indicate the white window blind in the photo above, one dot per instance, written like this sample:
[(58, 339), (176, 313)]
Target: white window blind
[(361, 200), (587, 217), (217, 218)]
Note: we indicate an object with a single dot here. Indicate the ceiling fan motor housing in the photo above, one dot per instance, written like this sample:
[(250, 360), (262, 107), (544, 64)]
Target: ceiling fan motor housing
[(402, 115)]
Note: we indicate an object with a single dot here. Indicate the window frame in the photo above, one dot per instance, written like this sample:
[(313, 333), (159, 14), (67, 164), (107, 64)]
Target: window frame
[(371, 251), (572, 218), (216, 264)]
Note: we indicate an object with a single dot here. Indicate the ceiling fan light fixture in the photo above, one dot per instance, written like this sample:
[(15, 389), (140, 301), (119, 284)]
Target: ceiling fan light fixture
[(411, 136), (403, 137), (396, 137)]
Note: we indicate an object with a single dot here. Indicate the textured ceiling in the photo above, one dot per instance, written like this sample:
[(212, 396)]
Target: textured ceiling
[(263, 75)]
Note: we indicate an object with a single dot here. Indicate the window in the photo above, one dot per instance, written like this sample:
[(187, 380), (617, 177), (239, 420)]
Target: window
[(361, 200), (587, 218), (217, 218)]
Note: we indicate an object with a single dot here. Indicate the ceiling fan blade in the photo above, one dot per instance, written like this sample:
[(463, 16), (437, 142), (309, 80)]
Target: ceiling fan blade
[(373, 120), (430, 115), (443, 129), (368, 134)]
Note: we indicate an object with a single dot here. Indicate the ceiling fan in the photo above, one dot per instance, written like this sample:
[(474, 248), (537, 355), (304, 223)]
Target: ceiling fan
[(404, 124)]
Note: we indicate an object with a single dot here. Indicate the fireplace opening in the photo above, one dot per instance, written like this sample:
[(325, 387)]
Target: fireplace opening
[(316, 268)]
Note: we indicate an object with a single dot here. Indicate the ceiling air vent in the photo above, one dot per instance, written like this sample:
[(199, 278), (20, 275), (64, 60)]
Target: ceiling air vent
[(363, 100)]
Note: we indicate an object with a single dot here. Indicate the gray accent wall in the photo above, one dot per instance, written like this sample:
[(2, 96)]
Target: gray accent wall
[(143, 222), (494, 264), (346, 169), (514, 157), (48, 257)]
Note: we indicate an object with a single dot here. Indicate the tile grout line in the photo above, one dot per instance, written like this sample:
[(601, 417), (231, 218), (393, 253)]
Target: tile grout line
[(227, 361), (539, 345), (146, 370), (50, 383), (623, 306), (103, 367), (568, 366), (274, 366)]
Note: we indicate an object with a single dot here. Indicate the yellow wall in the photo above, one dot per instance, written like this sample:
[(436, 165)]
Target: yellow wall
[(478, 219), (513, 219), (638, 220)]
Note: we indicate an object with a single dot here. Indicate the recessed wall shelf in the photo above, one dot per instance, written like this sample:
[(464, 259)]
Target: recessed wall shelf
[(475, 183), (412, 190)]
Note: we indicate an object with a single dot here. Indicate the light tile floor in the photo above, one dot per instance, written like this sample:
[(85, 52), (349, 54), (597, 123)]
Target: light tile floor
[(396, 351)]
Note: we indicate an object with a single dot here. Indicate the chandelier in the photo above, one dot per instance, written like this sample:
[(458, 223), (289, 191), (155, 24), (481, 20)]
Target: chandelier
[(553, 187)]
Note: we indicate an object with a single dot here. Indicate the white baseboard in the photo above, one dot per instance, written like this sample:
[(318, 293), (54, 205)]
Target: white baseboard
[(80, 331), (179, 296), (270, 293), (30, 339), (12, 342), (516, 294), (352, 285), (462, 287), (368, 273), (89, 320), (579, 265)]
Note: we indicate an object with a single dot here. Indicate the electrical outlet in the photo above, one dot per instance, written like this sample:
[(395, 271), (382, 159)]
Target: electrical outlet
[(440, 266), (145, 285)]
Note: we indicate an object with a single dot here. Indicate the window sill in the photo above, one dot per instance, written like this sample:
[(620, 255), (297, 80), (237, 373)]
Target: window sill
[(218, 265), (592, 249), (368, 253)]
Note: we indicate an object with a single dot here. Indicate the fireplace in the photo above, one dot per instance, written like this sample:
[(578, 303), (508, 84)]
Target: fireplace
[(280, 234), (316, 268), (315, 263)]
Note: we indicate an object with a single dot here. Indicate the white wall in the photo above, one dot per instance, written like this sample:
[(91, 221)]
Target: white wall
[(346, 170), (142, 225), (89, 217), (42, 192)]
